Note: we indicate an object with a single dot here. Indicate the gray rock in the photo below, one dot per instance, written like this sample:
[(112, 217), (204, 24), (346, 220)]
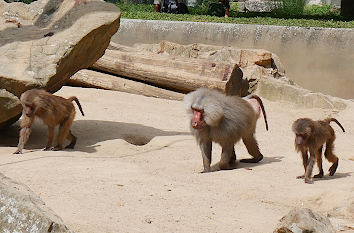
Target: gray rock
[(22, 211), (42, 44), (10, 105), (259, 5), (304, 221)]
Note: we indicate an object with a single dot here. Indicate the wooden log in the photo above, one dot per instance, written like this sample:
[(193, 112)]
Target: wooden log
[(171, 72), (89, 78)]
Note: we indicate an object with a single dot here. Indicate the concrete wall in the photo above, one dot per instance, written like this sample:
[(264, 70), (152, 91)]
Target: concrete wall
[(324, 2), (318, 59)]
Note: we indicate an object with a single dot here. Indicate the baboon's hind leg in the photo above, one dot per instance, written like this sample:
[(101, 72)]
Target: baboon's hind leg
[(64, 131), (228, 158), (50, 138), (331, 157), (252, 148), (72, 140)]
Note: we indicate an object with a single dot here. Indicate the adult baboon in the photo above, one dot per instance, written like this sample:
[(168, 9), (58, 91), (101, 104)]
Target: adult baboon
[(224, 120)]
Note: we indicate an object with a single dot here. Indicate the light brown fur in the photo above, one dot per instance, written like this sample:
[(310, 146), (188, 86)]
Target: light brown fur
[(310, 138), (224, 120), (53, 110)]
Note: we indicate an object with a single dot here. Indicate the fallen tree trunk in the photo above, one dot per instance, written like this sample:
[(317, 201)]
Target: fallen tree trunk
[(176, 73), (89, 78)]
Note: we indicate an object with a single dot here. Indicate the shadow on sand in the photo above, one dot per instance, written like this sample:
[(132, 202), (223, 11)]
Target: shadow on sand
[(89, 133), (238, 164)]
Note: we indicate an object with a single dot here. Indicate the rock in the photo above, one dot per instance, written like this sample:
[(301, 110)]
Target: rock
[(254, 63), (22, 211), (10, 106), (257, 5), (263, 73), (94, 79), (42, 44), (182, 74), (304, 220)]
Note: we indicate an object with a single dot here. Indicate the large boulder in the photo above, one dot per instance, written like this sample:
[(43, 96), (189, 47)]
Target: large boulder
[(22, 211), (42, 44), (304, 220)]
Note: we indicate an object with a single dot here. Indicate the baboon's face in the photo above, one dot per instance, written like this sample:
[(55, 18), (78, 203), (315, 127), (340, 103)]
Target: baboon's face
[(28, 109), (300, 139), (198, 121), (302, 130)]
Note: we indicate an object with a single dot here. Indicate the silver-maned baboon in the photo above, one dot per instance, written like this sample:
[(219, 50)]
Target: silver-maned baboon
[(310, 137), (224, 120), (53, 110)]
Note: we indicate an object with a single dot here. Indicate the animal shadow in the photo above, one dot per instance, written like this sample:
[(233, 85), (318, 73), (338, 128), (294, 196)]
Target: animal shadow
[(337, 175), (89, 133), (238, 164)]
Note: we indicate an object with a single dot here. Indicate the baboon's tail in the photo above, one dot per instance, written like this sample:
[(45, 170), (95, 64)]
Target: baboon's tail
[(256, 97), (328, 120), (73, 98)]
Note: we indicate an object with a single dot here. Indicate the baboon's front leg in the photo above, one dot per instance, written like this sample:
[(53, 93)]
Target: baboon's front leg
[(206, 154)]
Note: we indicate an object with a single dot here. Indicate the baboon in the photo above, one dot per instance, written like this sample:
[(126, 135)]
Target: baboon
[(224, 120), (53, 110), (310, 137), (14, 21), (78, 2), (257, 105)]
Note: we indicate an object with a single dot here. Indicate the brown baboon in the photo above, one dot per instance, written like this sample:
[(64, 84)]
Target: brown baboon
[(53, 110), (14, 21), (78, 2), (310, 137), (224, 120)]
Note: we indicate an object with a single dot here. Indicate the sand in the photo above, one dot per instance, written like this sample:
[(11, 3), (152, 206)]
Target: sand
[(136, 168)]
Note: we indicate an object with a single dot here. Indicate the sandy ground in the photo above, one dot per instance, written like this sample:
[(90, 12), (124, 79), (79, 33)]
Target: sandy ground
[(136, 168)]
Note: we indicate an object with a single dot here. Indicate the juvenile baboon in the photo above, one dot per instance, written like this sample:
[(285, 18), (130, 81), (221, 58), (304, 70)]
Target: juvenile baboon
[(53, 110), (310, 137), (78, 2), (224, 120)]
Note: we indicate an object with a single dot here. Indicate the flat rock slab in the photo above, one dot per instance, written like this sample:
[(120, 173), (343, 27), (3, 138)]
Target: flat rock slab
[(42, 44)]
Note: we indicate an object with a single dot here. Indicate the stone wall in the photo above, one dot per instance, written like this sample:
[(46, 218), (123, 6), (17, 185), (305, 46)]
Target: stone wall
[(324, 2), (319, 59)]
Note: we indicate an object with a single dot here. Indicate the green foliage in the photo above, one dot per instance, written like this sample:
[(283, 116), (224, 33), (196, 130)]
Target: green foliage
[(234, 7), (326, 10), (290, 7), (206, 3), (320, 17)]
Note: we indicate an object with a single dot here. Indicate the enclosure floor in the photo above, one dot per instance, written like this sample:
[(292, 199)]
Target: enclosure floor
[(136, 168)]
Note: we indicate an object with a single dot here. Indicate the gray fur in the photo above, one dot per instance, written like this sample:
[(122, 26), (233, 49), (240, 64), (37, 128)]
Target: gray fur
[(228, 119)]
